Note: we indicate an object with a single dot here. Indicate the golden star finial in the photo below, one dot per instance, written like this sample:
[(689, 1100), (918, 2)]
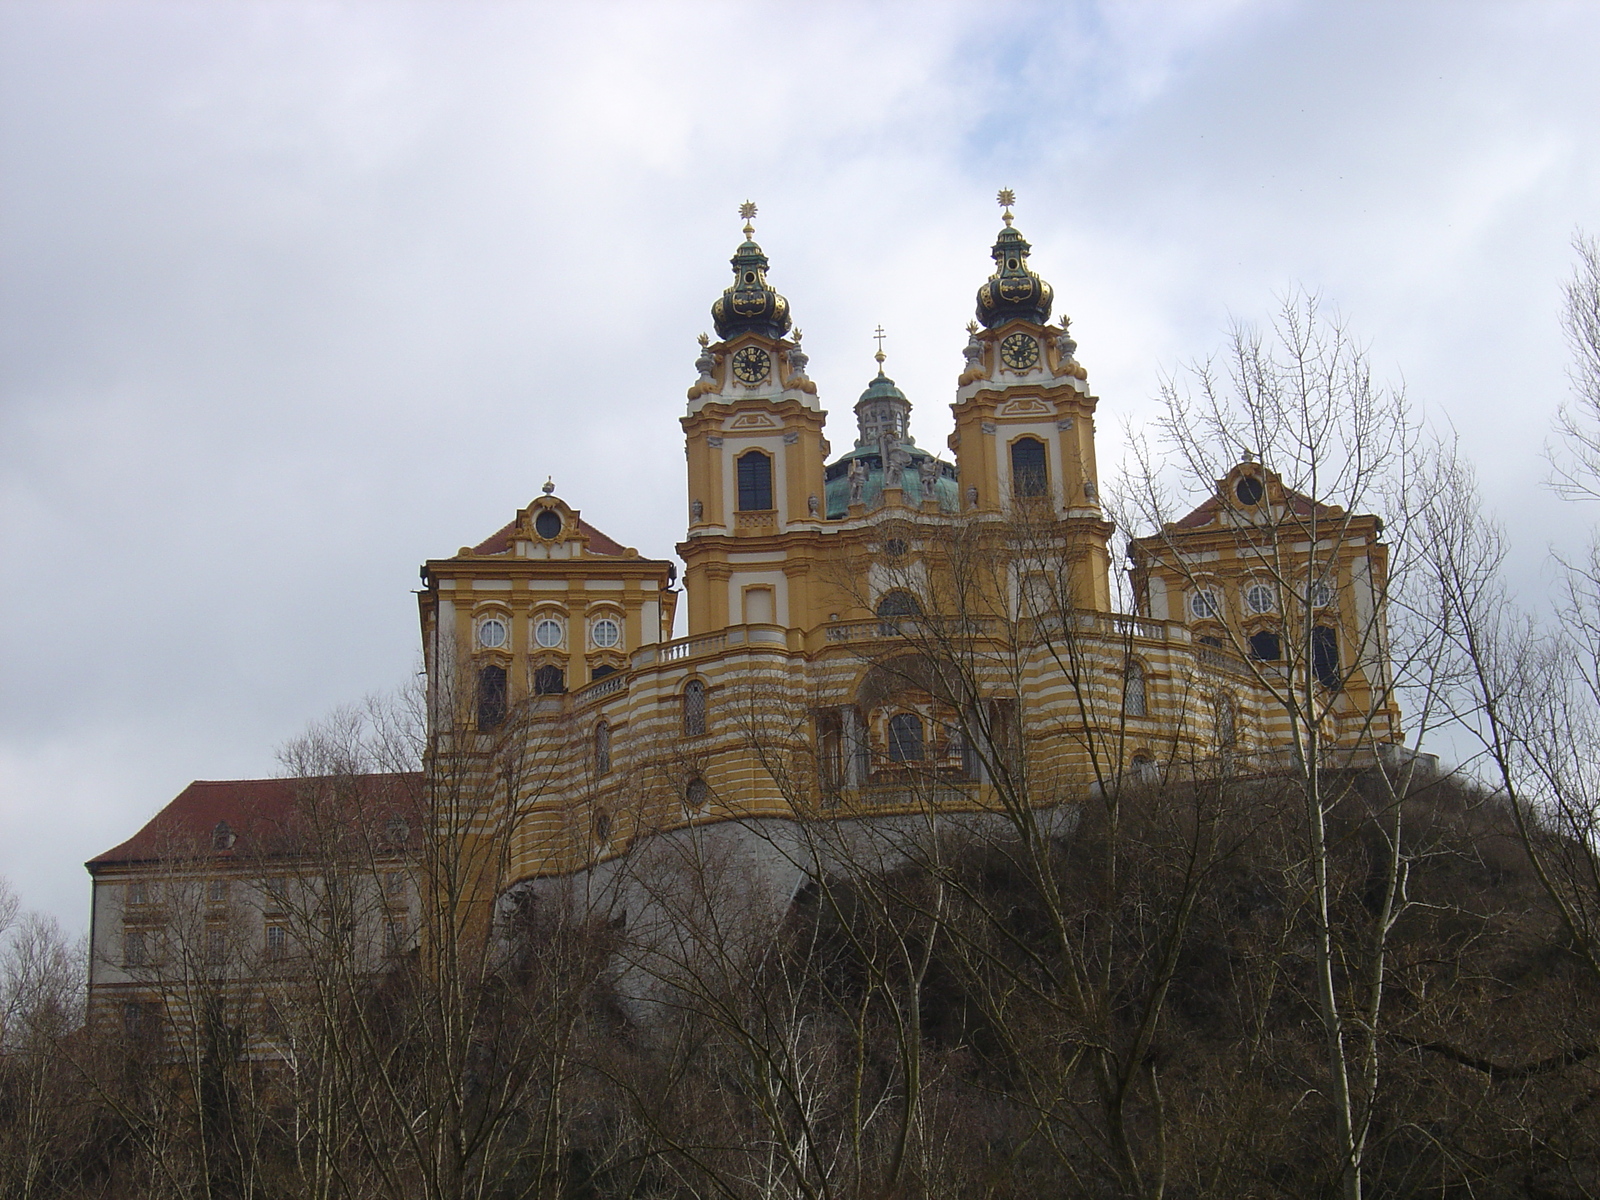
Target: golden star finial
[(1005, 197), (747, 211)]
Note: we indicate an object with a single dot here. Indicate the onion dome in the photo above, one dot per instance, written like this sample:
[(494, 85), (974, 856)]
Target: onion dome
[(1013, 290), (751, 305)]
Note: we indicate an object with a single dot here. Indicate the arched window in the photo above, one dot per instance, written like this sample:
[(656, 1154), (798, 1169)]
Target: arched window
[(1265, 646), (1028, 475), (491, 696), (694, 708), (905, 738), (549, 680), (602, 749), (1143, 768), (1134, 700), (896, 604), (1325, 656), (755, 482)]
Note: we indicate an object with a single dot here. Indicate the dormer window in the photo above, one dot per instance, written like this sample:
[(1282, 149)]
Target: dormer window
[(222, 837)]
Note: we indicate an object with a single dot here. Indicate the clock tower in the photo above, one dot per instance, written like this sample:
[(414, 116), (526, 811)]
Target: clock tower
[(753, 437), (1024, 436)]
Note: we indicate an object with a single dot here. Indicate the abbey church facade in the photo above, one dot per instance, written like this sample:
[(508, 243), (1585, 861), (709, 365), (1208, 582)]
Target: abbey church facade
[(895, 627), (875, 632)]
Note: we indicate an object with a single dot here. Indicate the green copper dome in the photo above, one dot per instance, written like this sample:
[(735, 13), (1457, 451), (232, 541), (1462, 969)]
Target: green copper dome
[(751, 305), (882, 409), (886, 455)]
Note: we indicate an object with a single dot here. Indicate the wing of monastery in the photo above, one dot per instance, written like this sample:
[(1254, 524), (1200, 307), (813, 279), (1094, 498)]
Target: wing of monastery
[(876, 635)]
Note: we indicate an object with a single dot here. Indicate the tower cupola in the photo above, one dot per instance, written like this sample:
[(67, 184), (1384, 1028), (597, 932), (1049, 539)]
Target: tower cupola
[(883, 408), (1013, 290), (751, 305)]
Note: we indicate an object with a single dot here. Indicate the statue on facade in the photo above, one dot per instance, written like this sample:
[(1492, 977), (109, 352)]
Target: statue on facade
[(858, 479)]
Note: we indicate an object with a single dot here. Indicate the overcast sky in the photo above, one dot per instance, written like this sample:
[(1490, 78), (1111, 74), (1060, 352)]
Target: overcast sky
[(296, 296)]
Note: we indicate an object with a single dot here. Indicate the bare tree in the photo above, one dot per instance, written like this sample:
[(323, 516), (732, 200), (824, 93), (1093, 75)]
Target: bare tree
[(1354, 622)]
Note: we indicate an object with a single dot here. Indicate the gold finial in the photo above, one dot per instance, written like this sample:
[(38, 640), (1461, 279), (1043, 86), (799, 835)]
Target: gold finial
[(878, 333), (747, 211), (1006, 198), (704, 339), (549, 485), (797, 335), (972, 327)]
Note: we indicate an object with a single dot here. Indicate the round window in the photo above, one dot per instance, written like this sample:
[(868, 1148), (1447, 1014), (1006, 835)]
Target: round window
[(1249, 491), (1203, 604), (605, 633), (896, 547), (547, 632), (1321, 595), (1260, 597), (548, 524), (492, 633)]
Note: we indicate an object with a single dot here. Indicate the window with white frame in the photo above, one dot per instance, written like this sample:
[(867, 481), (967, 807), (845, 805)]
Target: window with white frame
[(1260, 598), (1204, 604)]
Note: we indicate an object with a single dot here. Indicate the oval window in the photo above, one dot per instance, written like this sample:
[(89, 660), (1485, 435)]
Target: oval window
[(547, 524), (1249, 491), (1260, 598), (606, 633), (492, 633), (1321, 595), (547, 632), (1203, 605)]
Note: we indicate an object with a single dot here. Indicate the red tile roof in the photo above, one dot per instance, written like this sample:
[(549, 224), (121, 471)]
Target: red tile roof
[(598, 543), (266, 816)]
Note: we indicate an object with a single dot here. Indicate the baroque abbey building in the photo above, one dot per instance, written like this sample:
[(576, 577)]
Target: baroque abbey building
[(882, 633)]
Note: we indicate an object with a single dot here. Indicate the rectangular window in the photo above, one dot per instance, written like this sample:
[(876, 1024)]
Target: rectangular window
[(216, 890), (394, 936), (394, 883), (755, 482), (141, 1021), (216, 947), (137, 892), (1028, 475), (278, 889), (277, 941), (134, 948), (491, 697)]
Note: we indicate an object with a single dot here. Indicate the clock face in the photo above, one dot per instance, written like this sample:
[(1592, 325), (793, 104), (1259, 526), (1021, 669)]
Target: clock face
[(752, 364), (1019, 352)]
